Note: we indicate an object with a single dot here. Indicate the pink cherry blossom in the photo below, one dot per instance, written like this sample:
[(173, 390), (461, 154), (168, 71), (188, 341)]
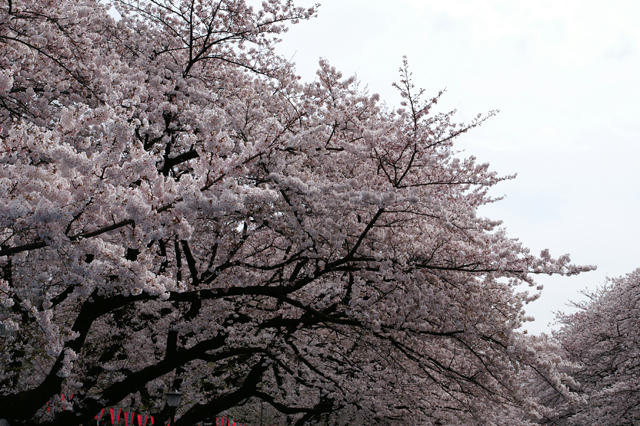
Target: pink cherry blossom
[(179, 211)]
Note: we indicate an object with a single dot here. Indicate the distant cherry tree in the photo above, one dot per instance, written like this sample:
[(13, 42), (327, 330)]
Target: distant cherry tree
[(602, 341), (179, 211)]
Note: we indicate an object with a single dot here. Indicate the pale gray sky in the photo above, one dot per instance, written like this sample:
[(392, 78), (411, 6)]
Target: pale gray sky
[(564, 75)]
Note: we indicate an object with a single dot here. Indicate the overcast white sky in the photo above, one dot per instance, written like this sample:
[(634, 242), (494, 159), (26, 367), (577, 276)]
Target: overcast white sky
[(564, 75)]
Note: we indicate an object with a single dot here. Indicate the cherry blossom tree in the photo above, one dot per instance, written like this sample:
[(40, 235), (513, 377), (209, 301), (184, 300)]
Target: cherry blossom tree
[(179, 211), (601, 340)]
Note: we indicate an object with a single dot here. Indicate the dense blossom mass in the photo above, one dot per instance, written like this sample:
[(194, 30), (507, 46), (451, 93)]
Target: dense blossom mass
[(179, 211), (602, 341)]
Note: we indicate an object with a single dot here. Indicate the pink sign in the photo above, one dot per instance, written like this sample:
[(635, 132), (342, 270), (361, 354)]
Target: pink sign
[(130, 417)]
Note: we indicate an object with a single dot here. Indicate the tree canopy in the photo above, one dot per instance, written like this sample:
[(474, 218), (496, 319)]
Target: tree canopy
[(179, 211)]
